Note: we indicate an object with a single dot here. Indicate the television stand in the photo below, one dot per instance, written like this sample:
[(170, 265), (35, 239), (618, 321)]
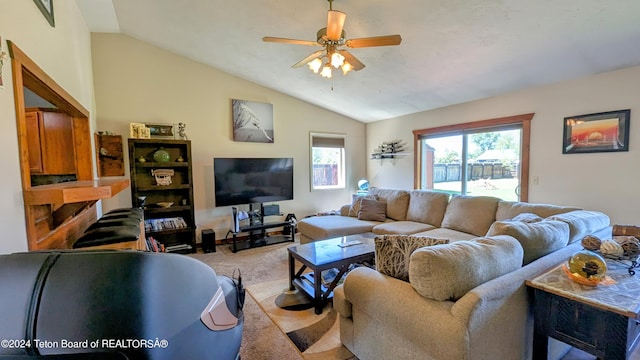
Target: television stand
[(258, 236), (257, 230)]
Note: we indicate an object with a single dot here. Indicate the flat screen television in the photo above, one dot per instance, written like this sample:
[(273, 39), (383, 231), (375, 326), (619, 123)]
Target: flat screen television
[(252, 180)]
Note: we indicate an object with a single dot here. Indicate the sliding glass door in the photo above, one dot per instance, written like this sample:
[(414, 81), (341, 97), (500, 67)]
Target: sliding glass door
[(473, 162)]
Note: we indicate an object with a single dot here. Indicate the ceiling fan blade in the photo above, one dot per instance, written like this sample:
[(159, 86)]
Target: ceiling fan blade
[(290, 41), (335, 24), (374, 41), (308, 58), (357, 64)]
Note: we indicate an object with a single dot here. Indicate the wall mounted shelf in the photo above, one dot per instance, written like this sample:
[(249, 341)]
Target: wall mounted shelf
[(389, 150)]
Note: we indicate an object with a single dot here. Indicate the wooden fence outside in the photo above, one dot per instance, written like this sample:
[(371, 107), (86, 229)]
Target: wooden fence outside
[(475, 171)]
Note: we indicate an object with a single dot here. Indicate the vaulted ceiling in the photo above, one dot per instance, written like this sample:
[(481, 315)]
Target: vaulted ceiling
[(452, 51)]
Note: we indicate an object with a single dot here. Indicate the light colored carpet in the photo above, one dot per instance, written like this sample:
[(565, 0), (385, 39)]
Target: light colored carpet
[(315, 336)]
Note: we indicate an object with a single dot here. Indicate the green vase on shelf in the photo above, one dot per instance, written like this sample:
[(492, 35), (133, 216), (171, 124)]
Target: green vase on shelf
[(161, 155)]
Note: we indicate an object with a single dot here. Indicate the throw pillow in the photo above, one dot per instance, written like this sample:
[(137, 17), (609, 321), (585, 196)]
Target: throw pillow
[(537, 239), (356, 201), (392, 253), (448, 272), (372, 210)]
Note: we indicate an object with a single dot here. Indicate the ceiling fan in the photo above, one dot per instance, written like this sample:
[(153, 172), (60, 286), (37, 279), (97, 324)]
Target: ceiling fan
[(332, 38)]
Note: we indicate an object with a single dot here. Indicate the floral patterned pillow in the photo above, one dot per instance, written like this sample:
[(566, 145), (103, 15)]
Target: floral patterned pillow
[(392, 252)]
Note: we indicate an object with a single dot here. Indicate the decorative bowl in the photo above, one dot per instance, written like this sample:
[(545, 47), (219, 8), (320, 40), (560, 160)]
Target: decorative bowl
[(164, 204), (586, 267), (161, 155)]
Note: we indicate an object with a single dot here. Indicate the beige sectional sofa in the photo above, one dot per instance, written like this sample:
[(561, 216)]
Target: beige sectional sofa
[(465, 299)]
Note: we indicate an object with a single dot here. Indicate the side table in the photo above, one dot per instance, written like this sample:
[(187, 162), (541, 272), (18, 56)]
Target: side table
[(601, 320)]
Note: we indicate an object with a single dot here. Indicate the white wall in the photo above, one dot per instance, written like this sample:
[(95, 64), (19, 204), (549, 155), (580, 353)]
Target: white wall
[(64, 53), (137, 82), (597, 181)]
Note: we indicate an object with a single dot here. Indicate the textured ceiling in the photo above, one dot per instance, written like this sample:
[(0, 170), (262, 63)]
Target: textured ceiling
[(452, 51)]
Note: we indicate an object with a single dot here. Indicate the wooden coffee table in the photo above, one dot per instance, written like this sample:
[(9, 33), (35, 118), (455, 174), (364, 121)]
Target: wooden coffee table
[(323, 255)]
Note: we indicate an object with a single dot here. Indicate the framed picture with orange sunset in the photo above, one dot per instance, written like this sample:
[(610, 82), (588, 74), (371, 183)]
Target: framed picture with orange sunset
[(599, 132)]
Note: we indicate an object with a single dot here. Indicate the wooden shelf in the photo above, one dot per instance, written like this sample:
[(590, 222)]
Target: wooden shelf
[(163, 187), (180, 191), (162, 164), (170, 209), (170, 231), (380, 156), (74, 191)]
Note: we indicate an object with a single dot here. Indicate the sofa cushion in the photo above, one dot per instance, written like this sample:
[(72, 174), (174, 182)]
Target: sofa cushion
[(447, 272), (452, 235), (397, 202), (372, 210), (470, 214), (325, 227), (510, 209), (537, 239), (527, 218), (401, 227), (392, 253), (427, 206), (356, 202), (582, 222)]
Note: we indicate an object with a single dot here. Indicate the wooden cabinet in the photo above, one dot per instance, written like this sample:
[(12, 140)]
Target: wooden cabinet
[(174, 225), (50, 142)]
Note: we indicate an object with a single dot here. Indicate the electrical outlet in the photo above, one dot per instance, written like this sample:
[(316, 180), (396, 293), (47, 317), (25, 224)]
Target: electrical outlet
[(536, 180)]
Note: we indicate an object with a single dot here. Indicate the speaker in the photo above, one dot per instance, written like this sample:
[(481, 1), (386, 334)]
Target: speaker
[(291, 229), (208, 240)]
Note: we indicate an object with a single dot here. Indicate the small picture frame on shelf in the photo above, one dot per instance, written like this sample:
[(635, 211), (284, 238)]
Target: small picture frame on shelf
[(161, 131), (139, 131)]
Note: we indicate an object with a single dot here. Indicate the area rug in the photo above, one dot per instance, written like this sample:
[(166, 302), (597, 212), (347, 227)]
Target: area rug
[(315, 336)]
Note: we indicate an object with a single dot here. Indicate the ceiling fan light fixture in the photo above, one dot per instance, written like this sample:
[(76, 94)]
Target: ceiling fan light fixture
[(346, 67), (326, 71), (315, 65), (332, 39), (337, 60)]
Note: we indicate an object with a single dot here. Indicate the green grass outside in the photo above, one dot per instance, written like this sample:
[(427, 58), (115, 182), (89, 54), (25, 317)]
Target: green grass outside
[(500, 188)]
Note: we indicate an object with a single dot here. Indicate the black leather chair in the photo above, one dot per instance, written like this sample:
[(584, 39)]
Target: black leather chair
[(116, 305)]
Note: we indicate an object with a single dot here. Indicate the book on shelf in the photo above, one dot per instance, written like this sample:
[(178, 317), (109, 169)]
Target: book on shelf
[(153, 245), (164, 224)]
